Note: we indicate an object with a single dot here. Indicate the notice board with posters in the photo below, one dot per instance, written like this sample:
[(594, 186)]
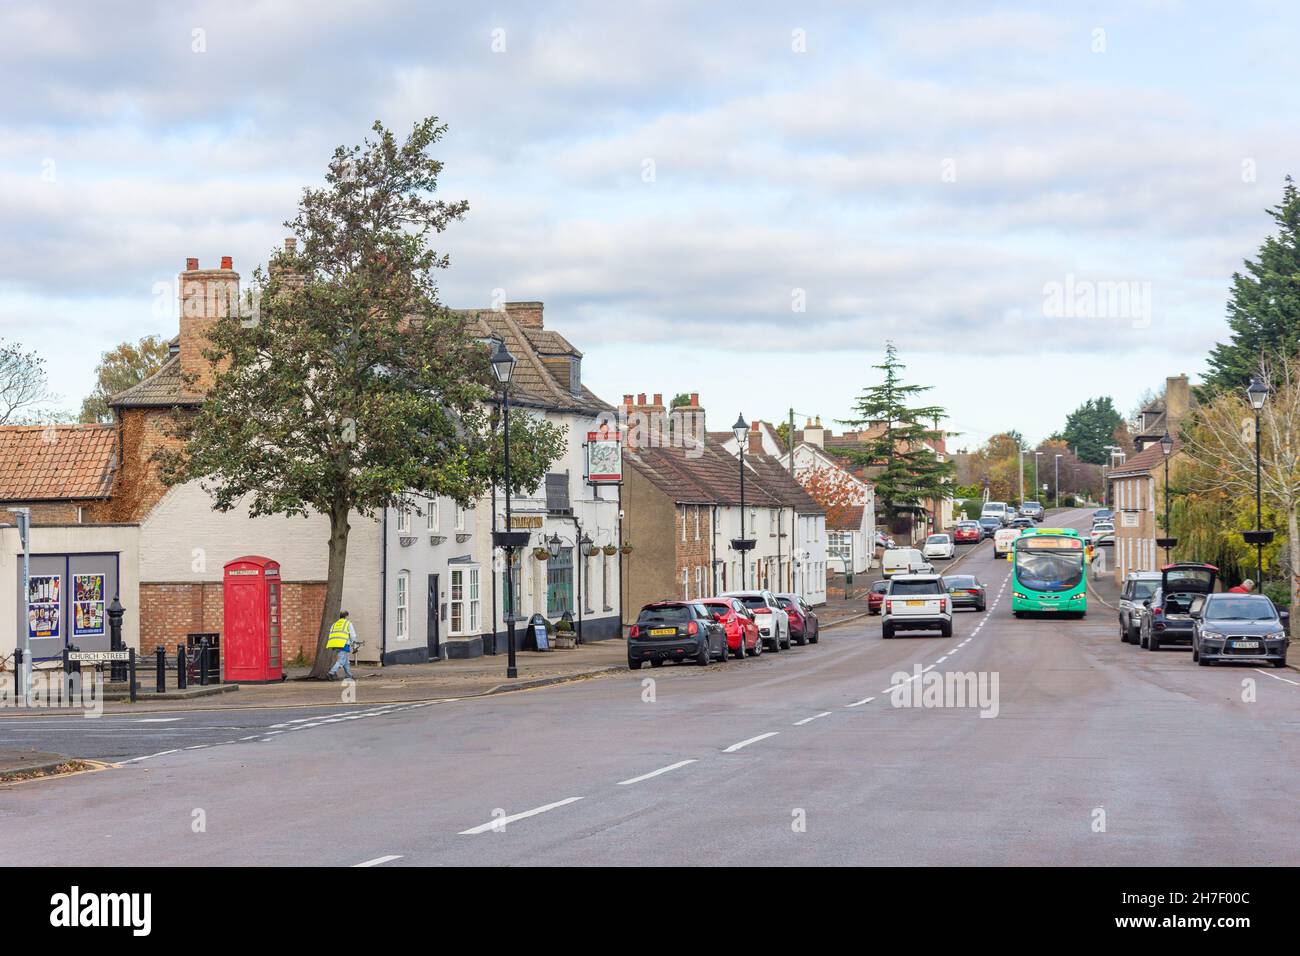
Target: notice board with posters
[(66, 601)]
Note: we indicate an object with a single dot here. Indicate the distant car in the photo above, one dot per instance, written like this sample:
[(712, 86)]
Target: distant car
[(904, 561), (1138, 587), (738, 622), (876, 596), (675, 631), (1020, 523), (804, 628), (989, 524), (1103, 514), (939, 546), (965, 590), (1102, 527), (1164, 617), (967, 532), (1032, 509), (1238, 627), (772, 620), (916, 602), (884, 541)]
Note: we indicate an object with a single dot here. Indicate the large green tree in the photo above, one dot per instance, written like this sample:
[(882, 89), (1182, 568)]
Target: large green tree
[(1264, 309), (1091, 427), (899, 443), (350, 387), (128, 364)]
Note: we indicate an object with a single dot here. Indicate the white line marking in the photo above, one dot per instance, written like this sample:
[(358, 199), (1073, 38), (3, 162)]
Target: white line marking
[(808, 720), (1275, 677), (377, 860), (942, 659), (655, 773), (161, 753), (859, 703), (502, 821), (752, 740), (157, 720), (196, 747), (252, 737)]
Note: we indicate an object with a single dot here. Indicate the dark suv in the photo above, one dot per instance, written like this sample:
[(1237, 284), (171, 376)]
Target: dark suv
[(675, 631), (1163, 618)]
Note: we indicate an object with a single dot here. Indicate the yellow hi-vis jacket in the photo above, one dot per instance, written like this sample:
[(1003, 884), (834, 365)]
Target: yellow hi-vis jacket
[(340, 631)]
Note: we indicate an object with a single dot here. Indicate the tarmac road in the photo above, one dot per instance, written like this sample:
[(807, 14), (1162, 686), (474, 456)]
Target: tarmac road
[(1099, 754)]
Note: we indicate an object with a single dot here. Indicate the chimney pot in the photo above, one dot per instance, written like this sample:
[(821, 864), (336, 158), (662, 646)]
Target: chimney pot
[(695, 399), (640, 398), (659, 399), (290, 245), (191, 265), (227, 262), (627, 399)]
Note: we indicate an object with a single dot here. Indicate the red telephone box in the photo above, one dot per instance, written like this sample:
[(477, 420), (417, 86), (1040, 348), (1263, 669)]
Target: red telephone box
[(251, 638)]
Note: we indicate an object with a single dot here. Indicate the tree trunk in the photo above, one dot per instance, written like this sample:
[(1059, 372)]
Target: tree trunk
[(333, 587), (1293, 546)]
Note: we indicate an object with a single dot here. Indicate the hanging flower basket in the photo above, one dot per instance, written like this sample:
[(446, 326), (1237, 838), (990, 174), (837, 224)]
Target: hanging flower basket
[(626, 549), (541, 554), (610, 549)]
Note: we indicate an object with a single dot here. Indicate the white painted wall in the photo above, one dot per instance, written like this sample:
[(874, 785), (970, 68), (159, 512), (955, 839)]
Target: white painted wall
[(184, 540)]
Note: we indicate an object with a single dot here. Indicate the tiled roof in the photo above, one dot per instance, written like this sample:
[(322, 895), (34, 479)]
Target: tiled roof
[(165, 388), (533, 383), (57, 462), (846, 518), (1144, 461), (710, 475), (778, 482)]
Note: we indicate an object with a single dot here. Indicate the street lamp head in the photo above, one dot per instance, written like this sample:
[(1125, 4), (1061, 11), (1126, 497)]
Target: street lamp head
[(1257, 393), (1166, 444), (740, 430), (585, 540), (553, 545), (503, 363)]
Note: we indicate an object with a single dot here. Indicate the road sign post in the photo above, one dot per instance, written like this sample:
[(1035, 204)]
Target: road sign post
[(23, 670)]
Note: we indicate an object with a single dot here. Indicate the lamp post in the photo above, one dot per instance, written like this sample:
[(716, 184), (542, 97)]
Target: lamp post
[(503, 367), (742, 544), (1037, 455), (1257, 393), (1057, 481), (1167, 542), (23, 518)]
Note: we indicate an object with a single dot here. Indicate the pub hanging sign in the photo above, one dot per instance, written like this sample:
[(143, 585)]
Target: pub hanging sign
[(604, 457)]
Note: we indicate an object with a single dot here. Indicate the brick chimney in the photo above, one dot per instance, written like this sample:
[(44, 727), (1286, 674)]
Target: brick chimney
[(1178, 400), (526, 314), (755, 439), (687, 422), (206, 295)]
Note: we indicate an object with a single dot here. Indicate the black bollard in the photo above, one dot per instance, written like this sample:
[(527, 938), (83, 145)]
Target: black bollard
[(203, 661), (182, 667), (115, 612), (160, 665)]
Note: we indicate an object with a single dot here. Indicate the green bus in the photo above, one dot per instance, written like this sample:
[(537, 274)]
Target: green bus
[(1048, 572)]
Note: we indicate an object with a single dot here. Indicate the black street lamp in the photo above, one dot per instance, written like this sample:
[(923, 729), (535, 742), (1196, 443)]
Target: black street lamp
[(503, 367), (1167, 542), (1257, 393), (1056, 481), (742, 544)]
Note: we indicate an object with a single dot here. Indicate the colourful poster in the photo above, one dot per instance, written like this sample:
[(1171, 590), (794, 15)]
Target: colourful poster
[(87, 605), (44, 605)]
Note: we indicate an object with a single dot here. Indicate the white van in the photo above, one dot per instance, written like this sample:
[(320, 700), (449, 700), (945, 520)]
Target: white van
[(904, 561), (1004, 540), (996, 509)]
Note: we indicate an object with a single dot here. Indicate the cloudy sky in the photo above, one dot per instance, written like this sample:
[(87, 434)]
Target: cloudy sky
[(745, 200)]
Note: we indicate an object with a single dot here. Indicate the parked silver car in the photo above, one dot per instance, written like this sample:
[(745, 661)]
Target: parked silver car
[(1138, 587)]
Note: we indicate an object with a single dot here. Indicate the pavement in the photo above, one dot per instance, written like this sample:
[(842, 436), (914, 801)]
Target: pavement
[(1082, 751)]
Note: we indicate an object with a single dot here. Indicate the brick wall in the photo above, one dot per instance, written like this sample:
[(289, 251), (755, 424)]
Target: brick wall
[(693, 552), (47, 512), (168, 612), (137, 486)]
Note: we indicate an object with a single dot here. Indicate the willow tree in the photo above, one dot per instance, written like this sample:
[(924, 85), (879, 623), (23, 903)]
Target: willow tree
[(1222, 442), (348, 386)]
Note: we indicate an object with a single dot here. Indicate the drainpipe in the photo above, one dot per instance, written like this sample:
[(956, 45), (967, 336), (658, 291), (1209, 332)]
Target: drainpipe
[(383, 591)]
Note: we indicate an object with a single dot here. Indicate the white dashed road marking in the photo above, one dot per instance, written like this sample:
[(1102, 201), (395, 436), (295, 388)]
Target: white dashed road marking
[(502, 821), (859, 703), (655, 773), (377, 861), (752, 740), (808, 720)]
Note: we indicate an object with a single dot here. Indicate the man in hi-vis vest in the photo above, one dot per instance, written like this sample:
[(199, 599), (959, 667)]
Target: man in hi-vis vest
[(342, 636)]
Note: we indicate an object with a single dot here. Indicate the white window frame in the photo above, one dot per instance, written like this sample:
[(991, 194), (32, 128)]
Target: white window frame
[(404, 517), (468, 606), (686, 584), (460, 516), (699, 580), (683, 522), (403, 616), (697, 522), (431, 519)]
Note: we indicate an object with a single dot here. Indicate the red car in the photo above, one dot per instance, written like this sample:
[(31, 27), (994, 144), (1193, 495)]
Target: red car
[(738, 621), (967, 532), (876, 596), (804, 627)]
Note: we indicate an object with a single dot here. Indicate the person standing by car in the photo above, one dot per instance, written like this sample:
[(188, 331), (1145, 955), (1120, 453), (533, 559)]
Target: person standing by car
[(342, 636), (1245, 587)]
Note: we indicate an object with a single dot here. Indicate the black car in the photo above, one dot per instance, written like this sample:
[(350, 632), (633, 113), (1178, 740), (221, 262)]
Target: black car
[(990, 524), (675, 631), (1163, 618), (1020, 523), (1238, 627), (965, 590)]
